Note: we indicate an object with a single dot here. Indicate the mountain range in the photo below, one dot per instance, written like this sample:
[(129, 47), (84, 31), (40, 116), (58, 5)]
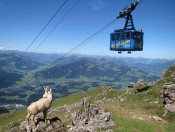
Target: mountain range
[(22, 82)]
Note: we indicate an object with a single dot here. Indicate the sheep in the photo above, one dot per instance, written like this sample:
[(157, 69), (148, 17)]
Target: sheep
[(42, 105)]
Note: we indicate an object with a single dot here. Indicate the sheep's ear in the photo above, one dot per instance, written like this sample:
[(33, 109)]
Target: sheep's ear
[(50, 90)]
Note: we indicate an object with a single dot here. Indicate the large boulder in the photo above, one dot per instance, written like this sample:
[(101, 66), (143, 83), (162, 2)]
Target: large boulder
[(89, 117), (168, 94), (52, 125)]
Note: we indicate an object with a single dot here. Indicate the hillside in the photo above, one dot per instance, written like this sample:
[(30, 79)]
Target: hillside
[(24, 82), (139, 109), (90, 67)]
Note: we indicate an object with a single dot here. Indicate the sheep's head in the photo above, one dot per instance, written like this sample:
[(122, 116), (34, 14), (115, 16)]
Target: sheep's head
[(48, 93)]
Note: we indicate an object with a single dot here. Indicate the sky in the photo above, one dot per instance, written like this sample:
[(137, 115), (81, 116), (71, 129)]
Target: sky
[(22, 20)]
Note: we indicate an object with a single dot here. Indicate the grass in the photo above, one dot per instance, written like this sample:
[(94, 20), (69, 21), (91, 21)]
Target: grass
[(170, 127), (133, 125), (9, 97), (13, 116), (122, 112), (76, 97), (122, 115)]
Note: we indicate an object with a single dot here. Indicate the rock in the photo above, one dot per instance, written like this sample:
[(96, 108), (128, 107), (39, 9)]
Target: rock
[(14, 130), (130, 90), (168, 94), (11, 124), (139, 117), (156, 119), (155, 102), (41, 124), (93, 110), (104, 98), (141, 81), (140, 86), (23, 126), (109, 130), (173, 74), (106, 116), (169, 91), (53, 125), (170, 107), (146, 100), (172, 96), (121, 99), (89, 118)]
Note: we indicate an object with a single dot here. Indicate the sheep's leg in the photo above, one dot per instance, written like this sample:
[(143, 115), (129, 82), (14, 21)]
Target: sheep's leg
[(28, 117), (32, 118), (45, 115)]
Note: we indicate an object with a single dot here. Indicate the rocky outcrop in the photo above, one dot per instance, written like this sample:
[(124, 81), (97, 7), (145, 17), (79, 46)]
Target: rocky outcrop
[(52, 125), (168, 94), (140, 86), (89, 118)]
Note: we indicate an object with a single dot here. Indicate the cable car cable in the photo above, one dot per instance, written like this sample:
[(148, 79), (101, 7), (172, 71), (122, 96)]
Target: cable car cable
[(38, 34), (82, 43), (56, 25)]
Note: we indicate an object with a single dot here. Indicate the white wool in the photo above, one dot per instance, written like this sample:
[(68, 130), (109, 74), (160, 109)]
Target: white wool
[(42, 105)]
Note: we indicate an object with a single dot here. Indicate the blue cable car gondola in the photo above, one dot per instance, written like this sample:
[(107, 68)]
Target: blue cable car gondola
[(127, 39)]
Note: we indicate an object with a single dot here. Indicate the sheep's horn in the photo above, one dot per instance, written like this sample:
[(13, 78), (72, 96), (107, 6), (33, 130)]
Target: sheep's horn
[(47, 88), (44, 88)]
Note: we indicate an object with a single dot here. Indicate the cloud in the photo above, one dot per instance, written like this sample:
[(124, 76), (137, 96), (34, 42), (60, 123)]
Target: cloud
[(97, 4), (7, 48)]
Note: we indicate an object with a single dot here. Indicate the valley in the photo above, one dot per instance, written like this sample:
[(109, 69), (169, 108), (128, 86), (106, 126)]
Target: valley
[(76, 73)]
